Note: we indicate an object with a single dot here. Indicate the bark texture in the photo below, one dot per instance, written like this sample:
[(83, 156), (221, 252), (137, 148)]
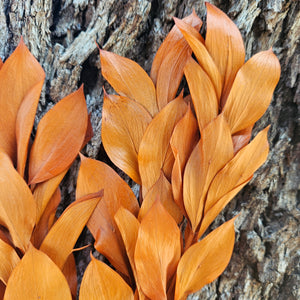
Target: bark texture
[(62, 34)]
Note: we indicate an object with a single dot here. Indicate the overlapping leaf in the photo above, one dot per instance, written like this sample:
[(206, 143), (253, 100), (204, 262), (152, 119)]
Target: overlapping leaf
[(15, 199), (129, 79), (59, 138), (100, 282), (203, 262), (123, 125), (37, 277), (157, 251)]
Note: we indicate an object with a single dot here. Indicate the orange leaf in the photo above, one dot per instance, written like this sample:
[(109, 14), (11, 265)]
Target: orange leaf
[(252, 90), (157, 251), (129, 79), (43, 192), (18, 75), (225, 45), (123, 125), (1, 63), (100, 282), (37, 277), (156, 142), (162, 190), (170, 41), (55, 244), (202, 55), (203, 262), (129, 226), (241, 138), (89, 132), (59, 137), (70, 272), (203, 94), (239, 169), (42, 227), (213, 151), (17, 206), (9, 259), (24, 124), (101, 224)]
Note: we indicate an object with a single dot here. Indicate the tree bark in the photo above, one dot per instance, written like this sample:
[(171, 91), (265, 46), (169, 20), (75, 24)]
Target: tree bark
[(62, 35)]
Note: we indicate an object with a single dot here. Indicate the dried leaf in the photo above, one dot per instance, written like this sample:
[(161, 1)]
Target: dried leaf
[(15, 199), (225, 45), (101, 224), (156, 142), (239, 169), (123, 125), (161, 190), (203, 93), (129, 79), (203, 57), (157, 251), (203, 262), (70, 272), (241, 138), (20, 72), (55, 244), (170, 41), (1, 63), (59, 137), (100, 282), (37, 277), (9, 259), (213, 151), (24, 124), (252, 90)]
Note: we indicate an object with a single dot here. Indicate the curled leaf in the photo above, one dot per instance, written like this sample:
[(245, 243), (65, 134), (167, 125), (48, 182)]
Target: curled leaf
[(37, 277), (55, 244), (252, 90), (129, 79), (100, 282), (203, 262), (123, 125), (15, 199), (157, 251), (59, 138)]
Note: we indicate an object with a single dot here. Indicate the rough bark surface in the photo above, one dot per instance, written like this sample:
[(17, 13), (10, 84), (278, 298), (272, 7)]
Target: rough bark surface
[(62, 35)]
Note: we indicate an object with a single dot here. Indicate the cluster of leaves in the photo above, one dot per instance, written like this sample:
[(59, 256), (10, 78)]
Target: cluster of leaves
[(190, 154)]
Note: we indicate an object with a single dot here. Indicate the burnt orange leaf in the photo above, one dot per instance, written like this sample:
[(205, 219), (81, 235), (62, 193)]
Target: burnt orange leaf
[(186, 129), (252, 90), (70, 272), (129, 226), (173, 37), (203, 94), (9, 259), (203, 262), (157, 251), (15, 199), (100, 282), (203, 57), (225, 44), (213, 151), (129, 79), (155, 144), (241, 138), (43, 192), (123, 125), (18, 75), (161, 190), (37, 277), (1, 63), (94, 175), (42, 227), (55, 244), (24, 124), (239, 169), (59, 137)]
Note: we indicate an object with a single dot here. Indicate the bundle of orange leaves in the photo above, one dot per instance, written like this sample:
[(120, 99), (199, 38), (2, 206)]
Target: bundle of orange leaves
[(190, 154)]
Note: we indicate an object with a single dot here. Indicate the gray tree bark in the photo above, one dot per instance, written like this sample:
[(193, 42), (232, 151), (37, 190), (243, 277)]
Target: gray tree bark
[(62, 34)]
